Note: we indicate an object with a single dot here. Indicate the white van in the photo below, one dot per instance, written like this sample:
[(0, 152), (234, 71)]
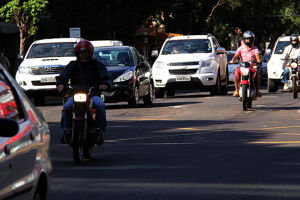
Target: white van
[(275, 64), (44, 60)]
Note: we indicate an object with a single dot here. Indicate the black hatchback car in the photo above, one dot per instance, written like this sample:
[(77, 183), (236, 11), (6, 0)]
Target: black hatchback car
[(131, 74)]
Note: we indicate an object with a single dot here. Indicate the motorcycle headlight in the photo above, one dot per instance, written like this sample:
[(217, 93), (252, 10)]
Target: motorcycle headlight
[(80, 97), (124, 77), (245, 71), (294, 65), (25, 70)]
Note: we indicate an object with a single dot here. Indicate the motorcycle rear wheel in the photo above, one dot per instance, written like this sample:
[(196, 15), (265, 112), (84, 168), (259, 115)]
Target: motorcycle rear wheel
[(244, 96), (295, 87), (78, 141)]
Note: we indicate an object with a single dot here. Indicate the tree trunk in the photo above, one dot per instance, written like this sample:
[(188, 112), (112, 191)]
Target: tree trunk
[(23, 38)]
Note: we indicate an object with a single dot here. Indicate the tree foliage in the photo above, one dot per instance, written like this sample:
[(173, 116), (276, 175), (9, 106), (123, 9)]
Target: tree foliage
[(26, 15)]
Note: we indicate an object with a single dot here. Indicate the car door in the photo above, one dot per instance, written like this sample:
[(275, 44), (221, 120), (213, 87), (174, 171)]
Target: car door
[(221, 59), (141, 72), (21, 148)]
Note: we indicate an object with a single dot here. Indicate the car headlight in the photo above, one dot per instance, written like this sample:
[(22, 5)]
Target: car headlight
[(245, 71), (159, 65), (207, 67), (124, 77), (25, 70), (80, 97)]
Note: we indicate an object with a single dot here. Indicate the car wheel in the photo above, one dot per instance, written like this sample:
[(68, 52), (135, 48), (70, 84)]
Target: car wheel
[(148, 99), (170, 93), (135, 100), (216, 89), (224, 88), (159, 92), (272, 86)]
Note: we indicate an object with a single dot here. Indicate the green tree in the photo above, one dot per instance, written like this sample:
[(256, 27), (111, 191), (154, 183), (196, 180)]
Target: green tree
[(25, 14)]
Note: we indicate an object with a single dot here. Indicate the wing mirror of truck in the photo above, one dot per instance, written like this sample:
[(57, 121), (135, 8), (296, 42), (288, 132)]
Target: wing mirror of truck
[(20, 56), (154, 53), (221, 50)]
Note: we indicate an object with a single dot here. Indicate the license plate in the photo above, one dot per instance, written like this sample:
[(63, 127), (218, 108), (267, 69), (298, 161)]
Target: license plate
[(183, 78), (48, 80)]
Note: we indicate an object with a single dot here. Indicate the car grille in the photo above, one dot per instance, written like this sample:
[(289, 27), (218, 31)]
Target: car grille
[(182, 71), (47, 70), (183, 63)]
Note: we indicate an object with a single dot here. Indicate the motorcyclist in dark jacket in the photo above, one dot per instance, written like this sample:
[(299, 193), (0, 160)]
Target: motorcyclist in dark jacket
[(84, 71)]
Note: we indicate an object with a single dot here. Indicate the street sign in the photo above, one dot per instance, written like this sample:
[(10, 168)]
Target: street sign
[(75, 32)]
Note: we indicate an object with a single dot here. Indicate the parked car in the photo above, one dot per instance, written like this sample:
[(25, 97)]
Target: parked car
[(25, 166), (232, 67), (44, 60), (190, 62), (131, 74), (264, 72), (275, 64)]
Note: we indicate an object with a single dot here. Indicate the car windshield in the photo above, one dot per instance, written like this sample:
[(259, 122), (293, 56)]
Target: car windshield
[(280, 47), (187, 46), (113, 57), (52, 50)]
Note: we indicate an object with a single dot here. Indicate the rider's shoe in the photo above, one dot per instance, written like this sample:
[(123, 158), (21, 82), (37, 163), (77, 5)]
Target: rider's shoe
[(66, 137), (285, 87), (236, 94), (258, 94), (100, 138)]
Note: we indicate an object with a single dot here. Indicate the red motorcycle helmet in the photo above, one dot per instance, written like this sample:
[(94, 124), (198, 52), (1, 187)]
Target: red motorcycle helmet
[(84, 50)]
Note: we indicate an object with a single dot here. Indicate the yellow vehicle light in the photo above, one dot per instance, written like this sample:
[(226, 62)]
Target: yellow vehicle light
[(80, 97)]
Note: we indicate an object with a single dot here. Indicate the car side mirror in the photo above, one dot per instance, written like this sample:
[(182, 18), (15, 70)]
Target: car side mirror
[(20, 56), (154, 53), (221, 50), (268, 52), (9, 127)]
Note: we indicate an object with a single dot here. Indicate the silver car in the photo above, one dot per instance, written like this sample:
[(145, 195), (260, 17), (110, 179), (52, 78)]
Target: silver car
[(232, 67), (25, 166)]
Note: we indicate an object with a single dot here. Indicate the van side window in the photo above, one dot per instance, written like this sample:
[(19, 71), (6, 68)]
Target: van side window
[(8, 104)]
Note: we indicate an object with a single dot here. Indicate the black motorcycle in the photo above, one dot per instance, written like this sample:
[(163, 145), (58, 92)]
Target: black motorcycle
[(84, 135), (293, 76)]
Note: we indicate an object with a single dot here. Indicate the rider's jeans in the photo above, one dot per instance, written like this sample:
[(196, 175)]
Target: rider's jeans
[(285, 76), (66, 121)]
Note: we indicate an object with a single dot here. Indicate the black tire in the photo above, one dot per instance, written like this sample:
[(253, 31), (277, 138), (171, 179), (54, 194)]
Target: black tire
[(295, 87), (272, 85), (77, 141), (224, 88), (159, 92), (149, 98), (170, 93), (135, 100), (244, 97), (249, 104), (216, 89), (88, 151)]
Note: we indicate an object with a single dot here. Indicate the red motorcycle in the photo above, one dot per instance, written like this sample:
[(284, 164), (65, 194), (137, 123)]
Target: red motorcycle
[(247, 90)]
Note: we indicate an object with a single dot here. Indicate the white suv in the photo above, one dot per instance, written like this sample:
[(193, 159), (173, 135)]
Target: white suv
[(275, 64), (44, 60), (190, 62)]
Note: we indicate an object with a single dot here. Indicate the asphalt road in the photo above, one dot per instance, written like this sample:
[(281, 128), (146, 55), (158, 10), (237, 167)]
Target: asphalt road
[(192, 146)]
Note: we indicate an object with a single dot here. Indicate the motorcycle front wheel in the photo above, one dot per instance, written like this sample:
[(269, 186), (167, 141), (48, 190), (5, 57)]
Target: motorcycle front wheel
[(244, 96), (295, 87), (78, 141)]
